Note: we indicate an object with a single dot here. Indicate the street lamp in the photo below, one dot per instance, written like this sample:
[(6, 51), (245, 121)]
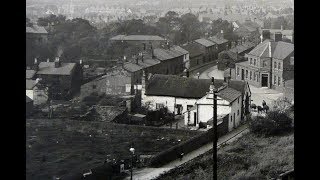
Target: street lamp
[(132, 153), (214, 126)]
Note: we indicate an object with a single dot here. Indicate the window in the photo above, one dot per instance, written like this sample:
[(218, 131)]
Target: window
[(238, 71), (275, 65), (238, 112), (246, 73), (250, 61), (279, 65), (279, 81), (264, 63), (254, 76), (159, 105), (238, 100), (250, 75), (254, 62), (189, 107), (234, 116), (258, 77), (275, 80), (231, 118)]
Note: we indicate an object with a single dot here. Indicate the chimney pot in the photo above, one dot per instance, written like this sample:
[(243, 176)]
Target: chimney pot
[(48, 60)]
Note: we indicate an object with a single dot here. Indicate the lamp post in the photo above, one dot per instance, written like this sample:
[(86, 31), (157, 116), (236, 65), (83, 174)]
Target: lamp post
[(132, 153), (214, 126)]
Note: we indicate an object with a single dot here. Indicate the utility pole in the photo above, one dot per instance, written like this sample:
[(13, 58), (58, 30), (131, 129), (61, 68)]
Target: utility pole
[(214, 126)]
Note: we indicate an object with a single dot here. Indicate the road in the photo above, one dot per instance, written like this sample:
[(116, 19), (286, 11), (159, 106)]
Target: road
[(151, 173), (211, 71)]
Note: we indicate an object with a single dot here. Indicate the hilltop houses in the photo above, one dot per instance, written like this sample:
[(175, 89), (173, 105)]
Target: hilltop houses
[(269, 65)]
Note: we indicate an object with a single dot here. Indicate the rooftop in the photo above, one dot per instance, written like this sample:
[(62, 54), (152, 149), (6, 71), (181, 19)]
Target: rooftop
[(205, 42), (132, 66), (49, 68), (176, 86), (279, 50), (137, 38), (30, 84), (217, 40), (193, 49), (28, 99), (165, 54), (36, 30), (30, 73), (229, 94)]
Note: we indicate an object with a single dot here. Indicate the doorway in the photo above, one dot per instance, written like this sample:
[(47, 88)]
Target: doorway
[(179, 109), (264, 80), (242, 74), (195, 118)]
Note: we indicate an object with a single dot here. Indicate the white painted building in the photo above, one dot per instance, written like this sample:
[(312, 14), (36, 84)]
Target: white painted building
[(180, 94), (229, 102)]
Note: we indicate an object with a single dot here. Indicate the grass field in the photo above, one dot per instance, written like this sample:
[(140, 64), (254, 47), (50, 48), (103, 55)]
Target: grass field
[(60, 147), (250, 157)]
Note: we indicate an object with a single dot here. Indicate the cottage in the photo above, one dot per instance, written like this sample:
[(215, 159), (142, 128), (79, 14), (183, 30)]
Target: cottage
[(179, 94), (268, 65), (229, 102)]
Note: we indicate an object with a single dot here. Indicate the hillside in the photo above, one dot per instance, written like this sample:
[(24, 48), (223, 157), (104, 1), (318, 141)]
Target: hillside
[(249, 157), (60, 147)]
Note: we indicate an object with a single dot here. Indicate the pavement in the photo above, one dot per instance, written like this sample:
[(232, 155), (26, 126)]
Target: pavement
[(260, 94), (151, 173), (211, 72)]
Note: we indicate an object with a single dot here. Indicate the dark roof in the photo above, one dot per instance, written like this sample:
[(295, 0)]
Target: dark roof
[(165, 54), (204, 42), (242, 47), (36, 30), (48, 68), (193, 49), (229, 94), (180, 49), (132, 66), (30, 73), (28, 99), (176, 86), (30, 84), (279, 50), (137, 38), (217, 39)]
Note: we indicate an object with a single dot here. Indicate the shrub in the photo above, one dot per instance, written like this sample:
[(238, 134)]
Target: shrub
[(275, 123), (202, 125)]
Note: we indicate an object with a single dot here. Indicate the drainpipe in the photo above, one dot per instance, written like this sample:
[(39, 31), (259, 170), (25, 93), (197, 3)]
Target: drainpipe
[(270, 55)]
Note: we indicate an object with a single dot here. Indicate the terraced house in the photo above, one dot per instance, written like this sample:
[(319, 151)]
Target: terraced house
[(269, 65)]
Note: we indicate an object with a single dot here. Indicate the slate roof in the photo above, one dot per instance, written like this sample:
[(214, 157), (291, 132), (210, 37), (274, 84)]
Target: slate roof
[(217, 40), (28, 99), (241, 48), (30, 73), (279, 50), (36, 30), (137, 38), (133, 66), (48, 68), (229, 94), (205, 42), (30, 84), (193, 49), (165, 54), (176, 86), (286, 32), (180, 49)]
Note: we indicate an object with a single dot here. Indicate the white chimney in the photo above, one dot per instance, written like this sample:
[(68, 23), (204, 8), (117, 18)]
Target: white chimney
[(57, 62), (35, 61), (80, 62), (48, 60), (221, 31), (270, 55)]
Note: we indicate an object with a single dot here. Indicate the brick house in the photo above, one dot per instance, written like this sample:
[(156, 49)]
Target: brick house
[(180, 94), (64, 78), (210, 49), (196, 54), (269, 65)]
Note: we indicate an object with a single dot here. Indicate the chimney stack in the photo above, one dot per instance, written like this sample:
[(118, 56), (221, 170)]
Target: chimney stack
[(57, 62), (281, 27), (36, 64), (48, 60)]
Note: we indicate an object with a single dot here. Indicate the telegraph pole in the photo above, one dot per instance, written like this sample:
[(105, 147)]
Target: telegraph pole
[(214, 126)]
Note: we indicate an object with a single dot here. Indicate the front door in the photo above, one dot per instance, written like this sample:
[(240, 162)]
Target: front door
[(195, 118), (264, 80), (242, 74), (179, 109)]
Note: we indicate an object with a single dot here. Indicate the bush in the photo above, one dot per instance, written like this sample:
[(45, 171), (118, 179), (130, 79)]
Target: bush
[(202, 125), (275, 123)]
